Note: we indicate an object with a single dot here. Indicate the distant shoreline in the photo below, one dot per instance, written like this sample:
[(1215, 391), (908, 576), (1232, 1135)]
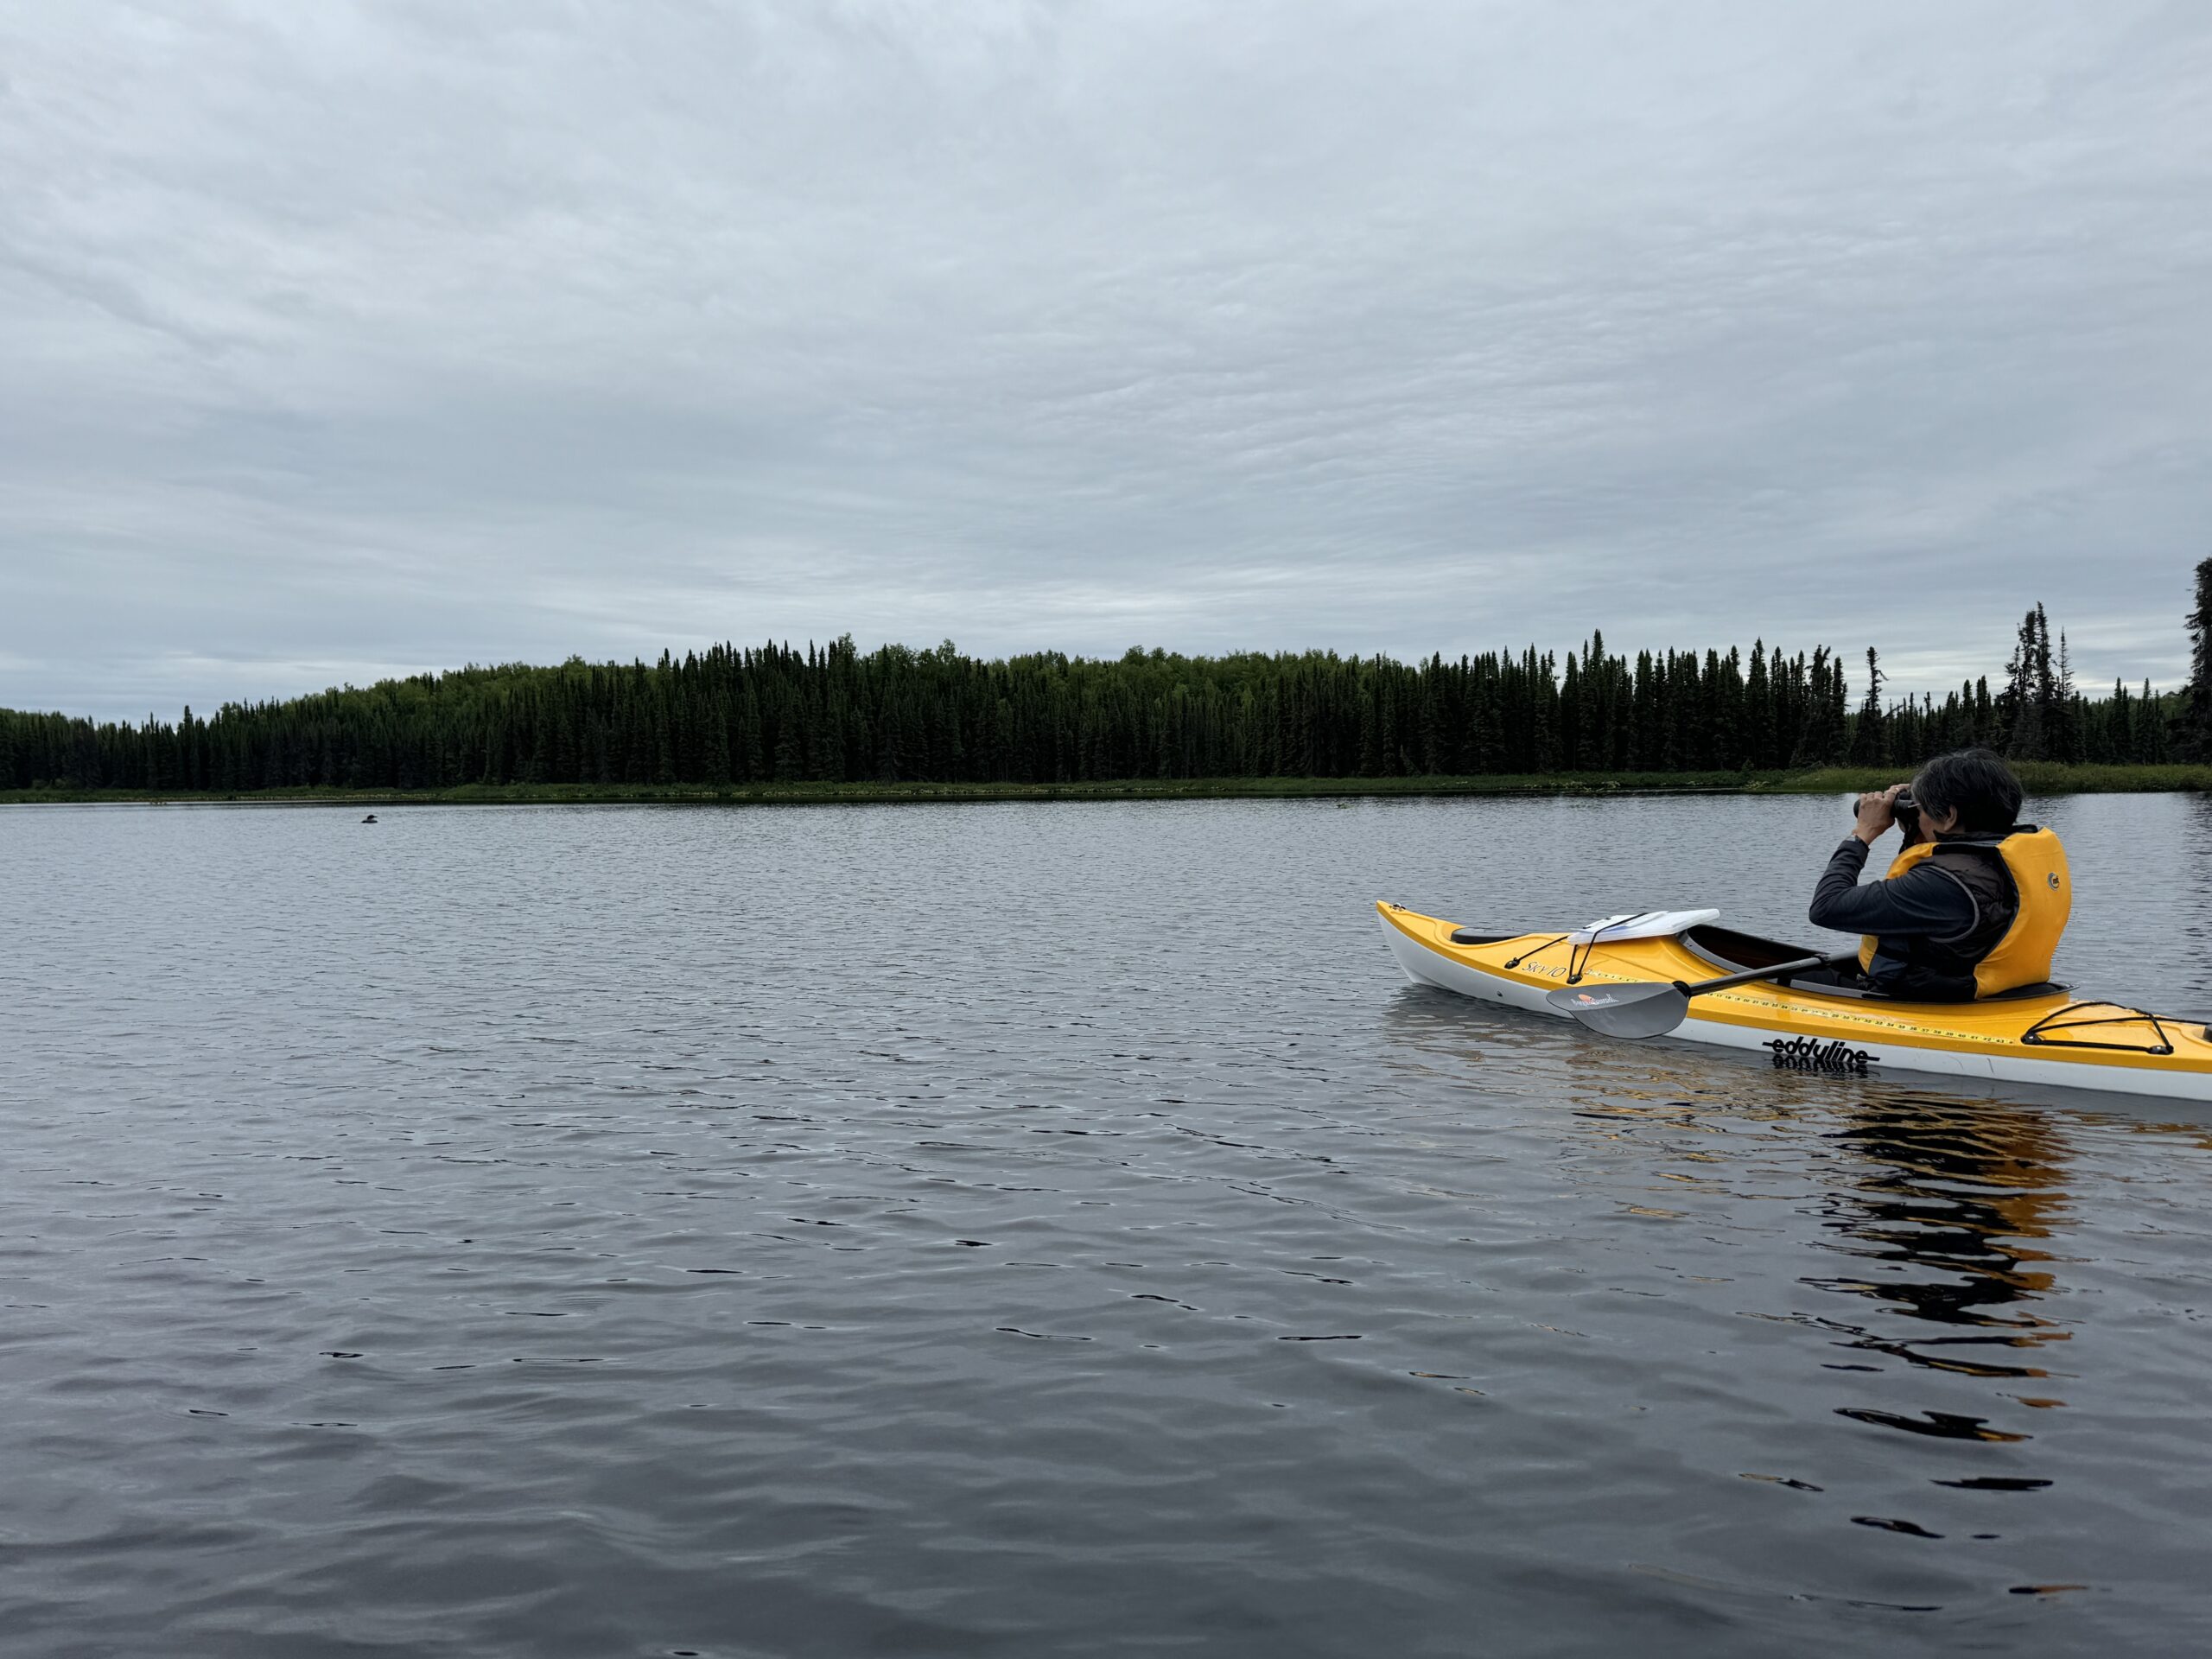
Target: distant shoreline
[(2040, 777)]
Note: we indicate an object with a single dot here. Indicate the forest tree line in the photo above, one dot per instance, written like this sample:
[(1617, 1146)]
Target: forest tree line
[(774, 713)]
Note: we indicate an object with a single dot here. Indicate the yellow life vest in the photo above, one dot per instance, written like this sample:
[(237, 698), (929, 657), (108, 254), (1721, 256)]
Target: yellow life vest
[(2044, 889)]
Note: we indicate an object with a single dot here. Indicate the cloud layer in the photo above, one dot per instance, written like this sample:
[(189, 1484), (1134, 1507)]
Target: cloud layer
[(341, 341)]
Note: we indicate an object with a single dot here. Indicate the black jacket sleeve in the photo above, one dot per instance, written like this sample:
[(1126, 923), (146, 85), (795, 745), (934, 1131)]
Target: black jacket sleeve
[(1922, 902)]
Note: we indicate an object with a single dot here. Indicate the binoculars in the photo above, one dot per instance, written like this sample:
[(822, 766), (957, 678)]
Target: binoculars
[(1906, 810)]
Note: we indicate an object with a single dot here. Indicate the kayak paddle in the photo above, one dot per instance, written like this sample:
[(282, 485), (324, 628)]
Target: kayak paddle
[(1650, 1008)]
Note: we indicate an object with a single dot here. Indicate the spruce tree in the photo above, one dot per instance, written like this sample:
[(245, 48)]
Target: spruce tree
[(2155, 737), (2194, 740), (1759, 712), (2065, 711), (2021, 705), (1723, 678), (1869, 741)]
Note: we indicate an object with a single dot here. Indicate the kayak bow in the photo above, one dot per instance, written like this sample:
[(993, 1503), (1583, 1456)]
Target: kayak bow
[(2044, 1035)]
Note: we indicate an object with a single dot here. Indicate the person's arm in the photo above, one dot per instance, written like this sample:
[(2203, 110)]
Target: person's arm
[(1921, 902)]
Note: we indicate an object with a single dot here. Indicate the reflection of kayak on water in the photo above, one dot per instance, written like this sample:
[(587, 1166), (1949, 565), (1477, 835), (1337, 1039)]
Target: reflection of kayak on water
[(1817, 1021)]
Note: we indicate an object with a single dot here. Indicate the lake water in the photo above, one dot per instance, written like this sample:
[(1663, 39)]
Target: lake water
[(1042, 1229)]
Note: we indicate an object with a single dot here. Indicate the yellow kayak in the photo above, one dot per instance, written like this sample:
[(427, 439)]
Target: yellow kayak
[(2045, 1035)]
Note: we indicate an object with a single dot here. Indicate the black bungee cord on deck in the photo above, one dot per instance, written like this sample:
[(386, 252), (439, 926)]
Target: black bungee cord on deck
[(1578, 956), (1514, 961)]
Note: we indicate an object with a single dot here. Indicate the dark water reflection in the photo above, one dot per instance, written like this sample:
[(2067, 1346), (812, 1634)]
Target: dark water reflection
[(1047, 1230), (1951, 1209)]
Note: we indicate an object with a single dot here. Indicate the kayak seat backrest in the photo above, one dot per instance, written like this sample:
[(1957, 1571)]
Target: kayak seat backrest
[(2021, 992)]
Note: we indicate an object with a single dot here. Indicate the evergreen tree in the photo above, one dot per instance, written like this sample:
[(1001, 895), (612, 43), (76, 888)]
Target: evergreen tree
[(2194, 740), (2064, 723), (2020, 708), (1759, 712), (2153, 731), (1869, 739)]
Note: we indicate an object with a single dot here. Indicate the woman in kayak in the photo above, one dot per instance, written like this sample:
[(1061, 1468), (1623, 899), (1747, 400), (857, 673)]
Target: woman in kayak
[(1975, 903)]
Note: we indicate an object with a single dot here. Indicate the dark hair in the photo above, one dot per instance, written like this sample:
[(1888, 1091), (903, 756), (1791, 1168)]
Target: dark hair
[(1976, 781)]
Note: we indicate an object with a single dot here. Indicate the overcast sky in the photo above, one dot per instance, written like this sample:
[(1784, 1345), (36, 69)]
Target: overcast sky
[(338, 340)]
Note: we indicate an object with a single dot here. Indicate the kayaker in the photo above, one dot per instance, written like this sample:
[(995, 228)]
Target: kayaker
[(1974, 907)]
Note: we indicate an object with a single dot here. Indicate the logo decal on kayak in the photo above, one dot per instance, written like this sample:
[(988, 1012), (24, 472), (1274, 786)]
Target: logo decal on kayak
[(1811, 1054)]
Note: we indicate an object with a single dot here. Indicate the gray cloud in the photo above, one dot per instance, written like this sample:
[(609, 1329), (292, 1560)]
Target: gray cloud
[(337, 341)]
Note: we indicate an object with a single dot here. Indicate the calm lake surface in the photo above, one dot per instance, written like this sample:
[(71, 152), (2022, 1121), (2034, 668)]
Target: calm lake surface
[(1041, 1230)]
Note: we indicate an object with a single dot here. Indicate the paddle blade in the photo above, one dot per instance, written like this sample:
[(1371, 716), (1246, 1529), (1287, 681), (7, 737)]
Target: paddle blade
[(1641, 1010)]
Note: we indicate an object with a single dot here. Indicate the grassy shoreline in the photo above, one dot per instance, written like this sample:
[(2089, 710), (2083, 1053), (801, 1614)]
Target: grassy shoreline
[(2040, 777)]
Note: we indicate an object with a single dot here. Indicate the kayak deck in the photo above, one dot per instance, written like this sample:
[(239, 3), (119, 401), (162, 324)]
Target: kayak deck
[(2046, 1037)]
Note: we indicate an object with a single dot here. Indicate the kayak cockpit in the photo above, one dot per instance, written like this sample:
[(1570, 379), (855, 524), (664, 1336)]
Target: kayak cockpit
[(1732, 952)]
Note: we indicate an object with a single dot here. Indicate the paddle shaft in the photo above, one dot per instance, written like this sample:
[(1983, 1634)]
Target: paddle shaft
[(1752, 975)]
